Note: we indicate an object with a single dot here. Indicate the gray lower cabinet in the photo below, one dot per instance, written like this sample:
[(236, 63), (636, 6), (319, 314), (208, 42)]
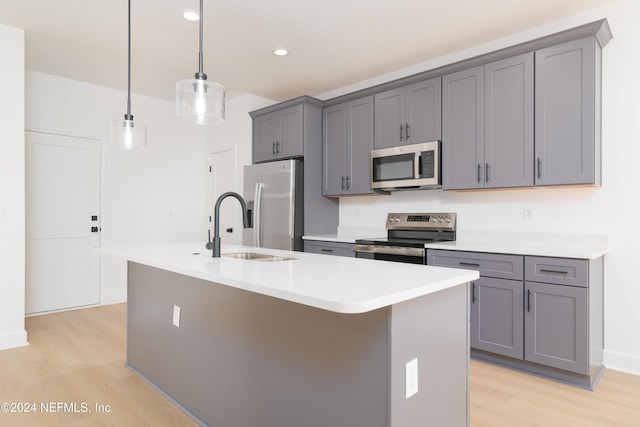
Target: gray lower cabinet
[(567, 142), (409, 115), (557, 326), (495, 306), (539, 314), (488, 125), (329, 248), (347, 144)]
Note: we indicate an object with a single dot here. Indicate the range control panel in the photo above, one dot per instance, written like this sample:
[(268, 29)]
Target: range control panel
[(417, 221)]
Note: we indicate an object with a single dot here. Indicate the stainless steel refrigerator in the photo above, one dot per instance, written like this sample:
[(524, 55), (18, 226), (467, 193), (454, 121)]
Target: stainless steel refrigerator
[(274, 195)]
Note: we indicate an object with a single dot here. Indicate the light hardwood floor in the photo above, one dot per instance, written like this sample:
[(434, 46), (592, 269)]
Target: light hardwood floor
[(77, 358)]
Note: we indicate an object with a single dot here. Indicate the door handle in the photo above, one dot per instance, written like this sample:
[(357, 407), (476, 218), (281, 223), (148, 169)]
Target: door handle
[(486, 172), (406, 131), (528, 300), (343, 186), (479, 167), (539, 168), (348, 182), (401, 130), (473, 293)]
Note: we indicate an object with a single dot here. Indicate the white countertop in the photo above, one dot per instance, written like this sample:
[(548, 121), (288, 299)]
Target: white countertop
[(339, 284), (535, 244)]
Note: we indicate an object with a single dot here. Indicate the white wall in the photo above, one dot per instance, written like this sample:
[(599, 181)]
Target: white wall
[(153, 195), (12, 184), (613, 209)]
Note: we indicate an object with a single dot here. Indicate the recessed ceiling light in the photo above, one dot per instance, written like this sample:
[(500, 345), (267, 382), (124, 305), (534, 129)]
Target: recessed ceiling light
[(281, 52), (190, 15)]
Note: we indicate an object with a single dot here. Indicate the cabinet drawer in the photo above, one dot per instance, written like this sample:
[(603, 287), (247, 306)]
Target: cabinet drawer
[(489, 265), (561, 271), (329, 248)]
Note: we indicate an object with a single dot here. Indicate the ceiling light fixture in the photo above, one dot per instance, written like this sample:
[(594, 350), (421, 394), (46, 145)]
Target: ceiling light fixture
[(281, 52), (126, 133), (199, 101), (190, 15)]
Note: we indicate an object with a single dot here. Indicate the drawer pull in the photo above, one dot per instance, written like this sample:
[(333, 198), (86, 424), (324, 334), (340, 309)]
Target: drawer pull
[(326, 250), (469, 264), (542, 270), (473, 293), (528, 300)]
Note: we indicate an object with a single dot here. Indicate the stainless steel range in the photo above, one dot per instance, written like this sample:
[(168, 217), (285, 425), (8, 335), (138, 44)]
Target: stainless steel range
[(407, 233)]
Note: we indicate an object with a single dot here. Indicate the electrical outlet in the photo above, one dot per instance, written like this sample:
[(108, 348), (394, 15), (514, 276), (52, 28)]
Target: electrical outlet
[(529, 214), (411, 378), (176, 316)]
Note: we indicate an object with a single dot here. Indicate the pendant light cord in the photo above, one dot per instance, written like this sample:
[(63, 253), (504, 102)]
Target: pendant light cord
[(200, 74), (128, 116)]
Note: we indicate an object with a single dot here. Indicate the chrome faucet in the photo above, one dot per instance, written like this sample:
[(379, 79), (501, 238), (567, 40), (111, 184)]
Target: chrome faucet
[(215, 246)]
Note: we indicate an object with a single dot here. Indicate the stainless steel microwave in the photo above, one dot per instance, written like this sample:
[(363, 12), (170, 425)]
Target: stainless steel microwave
[(406, 167)]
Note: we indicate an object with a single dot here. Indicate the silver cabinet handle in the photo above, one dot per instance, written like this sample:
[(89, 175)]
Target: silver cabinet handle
[(348, 182), (486, 172), (542, 270), (406, 130), (479, 167)]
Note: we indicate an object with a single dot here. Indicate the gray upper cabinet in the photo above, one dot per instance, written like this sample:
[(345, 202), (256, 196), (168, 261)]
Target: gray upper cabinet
[(347, 143), (463, 129), (488, 125), (409, 114), (567, 143), (279, 135)]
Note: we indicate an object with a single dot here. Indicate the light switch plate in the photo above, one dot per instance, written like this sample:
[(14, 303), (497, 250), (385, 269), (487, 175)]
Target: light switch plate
[(411, 378), (176, 316)]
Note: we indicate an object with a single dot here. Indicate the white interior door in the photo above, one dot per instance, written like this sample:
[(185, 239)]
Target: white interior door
[(63, 222), (222, 179)]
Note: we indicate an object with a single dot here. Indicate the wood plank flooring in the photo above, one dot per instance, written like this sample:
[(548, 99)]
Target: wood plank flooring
[(76, 358)]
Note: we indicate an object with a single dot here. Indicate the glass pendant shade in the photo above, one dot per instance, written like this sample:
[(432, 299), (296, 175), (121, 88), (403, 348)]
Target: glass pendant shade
[(200, 102), (127, 134)]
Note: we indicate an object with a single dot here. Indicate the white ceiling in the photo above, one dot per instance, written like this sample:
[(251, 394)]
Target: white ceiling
[(332, 43)]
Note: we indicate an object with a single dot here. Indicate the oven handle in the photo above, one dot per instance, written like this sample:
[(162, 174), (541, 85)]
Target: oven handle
[(389, 250)]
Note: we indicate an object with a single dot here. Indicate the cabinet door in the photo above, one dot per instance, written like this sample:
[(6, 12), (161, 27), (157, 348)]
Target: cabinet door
[(566, 123), (556, 326), (463, 129), (291, 138), (360, 128), (335, 150), (390, 113), (265, 129), (509, 122), (424, 111), (496, 316)]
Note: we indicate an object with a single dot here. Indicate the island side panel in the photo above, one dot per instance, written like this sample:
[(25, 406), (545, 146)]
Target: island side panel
[(240, 359), (434, 329)]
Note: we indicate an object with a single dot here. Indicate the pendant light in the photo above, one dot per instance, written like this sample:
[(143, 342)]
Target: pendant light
[(199, 101), (126, 133)]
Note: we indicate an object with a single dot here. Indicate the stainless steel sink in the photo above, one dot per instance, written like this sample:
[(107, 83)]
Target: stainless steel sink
[(253, 256)]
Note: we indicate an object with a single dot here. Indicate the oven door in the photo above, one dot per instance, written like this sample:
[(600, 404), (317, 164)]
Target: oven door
[(391, 253)]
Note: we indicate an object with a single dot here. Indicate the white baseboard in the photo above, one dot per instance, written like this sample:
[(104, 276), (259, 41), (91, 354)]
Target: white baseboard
[(13, 339), (628, 363), (114, 299)]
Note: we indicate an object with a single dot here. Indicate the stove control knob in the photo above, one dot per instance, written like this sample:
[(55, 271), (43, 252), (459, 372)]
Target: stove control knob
[(434, 219), (440, 219), (448, 219)]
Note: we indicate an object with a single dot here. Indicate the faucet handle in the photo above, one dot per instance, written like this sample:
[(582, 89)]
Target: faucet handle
[(209, 244)]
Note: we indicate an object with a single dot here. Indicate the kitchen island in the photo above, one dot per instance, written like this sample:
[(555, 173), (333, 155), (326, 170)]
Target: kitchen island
[(312, 340)]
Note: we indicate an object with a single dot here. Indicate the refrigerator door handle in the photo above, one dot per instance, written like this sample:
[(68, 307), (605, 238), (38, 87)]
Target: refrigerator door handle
[(257, 215)]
